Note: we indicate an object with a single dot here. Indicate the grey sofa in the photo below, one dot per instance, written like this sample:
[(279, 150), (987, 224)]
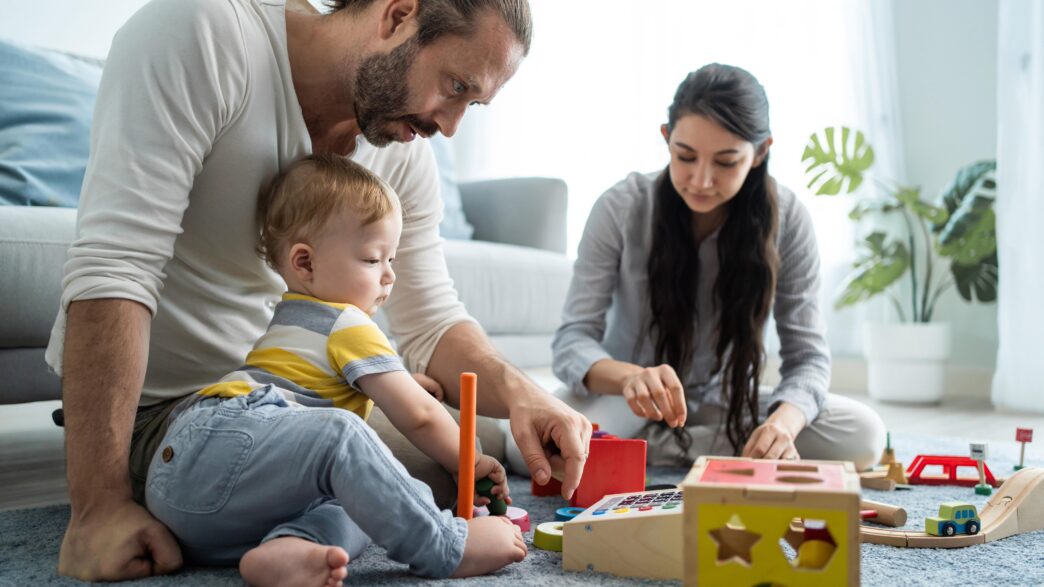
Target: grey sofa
[(513, 277)]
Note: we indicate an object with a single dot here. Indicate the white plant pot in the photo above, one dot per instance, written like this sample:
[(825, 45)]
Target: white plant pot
[(906, 363)]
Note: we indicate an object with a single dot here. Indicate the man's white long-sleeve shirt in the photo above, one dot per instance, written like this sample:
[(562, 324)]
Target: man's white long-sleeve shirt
[(195, 115)]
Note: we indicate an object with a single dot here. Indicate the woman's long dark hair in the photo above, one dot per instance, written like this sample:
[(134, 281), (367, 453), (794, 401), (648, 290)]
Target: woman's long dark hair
[(748, 259)]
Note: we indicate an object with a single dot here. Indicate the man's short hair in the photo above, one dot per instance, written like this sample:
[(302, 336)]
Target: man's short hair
[(457, 17), (301, 201)]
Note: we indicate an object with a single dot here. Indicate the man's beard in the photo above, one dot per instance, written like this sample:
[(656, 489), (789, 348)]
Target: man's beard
[(381, 94)]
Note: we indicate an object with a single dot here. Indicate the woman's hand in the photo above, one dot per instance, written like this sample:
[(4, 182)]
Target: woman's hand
[(774, 439), (430, 385), (656, 393), (487, 466)]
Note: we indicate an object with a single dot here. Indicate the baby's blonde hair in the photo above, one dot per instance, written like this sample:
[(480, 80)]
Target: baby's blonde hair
[(307, 195)]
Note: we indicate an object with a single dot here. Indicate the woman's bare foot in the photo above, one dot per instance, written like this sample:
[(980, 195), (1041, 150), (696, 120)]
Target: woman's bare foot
[(493, 542), (294, 562)]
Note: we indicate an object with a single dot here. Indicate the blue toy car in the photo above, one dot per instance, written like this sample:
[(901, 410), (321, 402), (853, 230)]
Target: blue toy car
[(955, 517)]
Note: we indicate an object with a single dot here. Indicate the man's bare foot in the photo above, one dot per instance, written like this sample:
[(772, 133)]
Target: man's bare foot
[(493, 542), (294, 562)]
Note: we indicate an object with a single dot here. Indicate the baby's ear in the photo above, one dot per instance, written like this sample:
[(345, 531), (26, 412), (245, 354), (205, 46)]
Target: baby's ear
[(299, 261)]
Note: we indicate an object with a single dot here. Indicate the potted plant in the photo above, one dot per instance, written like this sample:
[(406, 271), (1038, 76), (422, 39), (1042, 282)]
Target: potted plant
[(951, 243)]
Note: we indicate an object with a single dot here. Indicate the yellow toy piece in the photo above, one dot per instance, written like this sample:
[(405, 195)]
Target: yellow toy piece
[(548, 536), (814, 554)]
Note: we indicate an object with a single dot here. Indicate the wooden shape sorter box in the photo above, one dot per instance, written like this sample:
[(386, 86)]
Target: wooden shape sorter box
[(737, 515), (740, 512)]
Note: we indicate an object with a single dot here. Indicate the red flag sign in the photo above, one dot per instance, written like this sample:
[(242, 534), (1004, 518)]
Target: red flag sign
[(1023, 435)]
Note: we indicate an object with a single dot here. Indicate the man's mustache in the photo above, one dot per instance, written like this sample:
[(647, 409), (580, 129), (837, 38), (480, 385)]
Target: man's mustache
[(425, 127)]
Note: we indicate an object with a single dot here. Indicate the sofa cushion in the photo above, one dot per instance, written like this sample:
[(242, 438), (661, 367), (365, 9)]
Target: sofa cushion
[(46, 100), (524, 351), (26, 377), (33, 246), (510, 289)]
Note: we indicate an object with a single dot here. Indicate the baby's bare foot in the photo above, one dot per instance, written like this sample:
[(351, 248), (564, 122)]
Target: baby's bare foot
[(493, 542), (294, 562)]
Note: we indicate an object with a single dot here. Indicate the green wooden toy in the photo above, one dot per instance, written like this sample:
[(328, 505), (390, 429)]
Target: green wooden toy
[(496, 505)]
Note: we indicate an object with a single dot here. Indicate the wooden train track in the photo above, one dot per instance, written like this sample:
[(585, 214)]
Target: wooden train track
[(1015, 508)]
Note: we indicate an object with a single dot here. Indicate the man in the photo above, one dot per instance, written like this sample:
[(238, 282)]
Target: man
[(201, 104)]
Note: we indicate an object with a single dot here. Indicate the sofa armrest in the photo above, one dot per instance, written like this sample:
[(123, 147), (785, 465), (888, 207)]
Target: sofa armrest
[(34, 241), (524, 211)]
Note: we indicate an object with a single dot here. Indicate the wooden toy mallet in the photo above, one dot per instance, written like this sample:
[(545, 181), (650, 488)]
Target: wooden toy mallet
[(466, 470)]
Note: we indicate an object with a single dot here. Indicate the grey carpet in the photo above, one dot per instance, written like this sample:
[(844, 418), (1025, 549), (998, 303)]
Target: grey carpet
[(29, 541)]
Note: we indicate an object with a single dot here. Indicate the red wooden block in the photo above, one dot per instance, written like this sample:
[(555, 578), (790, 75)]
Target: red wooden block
[(553, 487), (614, 465)]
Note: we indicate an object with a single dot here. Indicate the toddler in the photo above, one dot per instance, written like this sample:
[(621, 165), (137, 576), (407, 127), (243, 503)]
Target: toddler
[(274, 466)]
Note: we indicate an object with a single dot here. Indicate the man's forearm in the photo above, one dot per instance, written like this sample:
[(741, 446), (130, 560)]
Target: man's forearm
[(465, 347), (106, 350)]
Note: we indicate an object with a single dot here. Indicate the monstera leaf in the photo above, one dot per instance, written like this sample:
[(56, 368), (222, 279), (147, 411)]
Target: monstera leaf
[(836, 158), (977, 281), (864, 207), (911, 197), (978, 242), (881, 265), (969, 235), (981, 173)]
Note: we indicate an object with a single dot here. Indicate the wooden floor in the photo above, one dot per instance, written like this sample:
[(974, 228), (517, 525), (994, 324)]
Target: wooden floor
[(32, 468)]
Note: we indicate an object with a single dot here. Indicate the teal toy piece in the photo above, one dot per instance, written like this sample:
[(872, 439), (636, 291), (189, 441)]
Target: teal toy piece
[(566, 514), (496, 506)]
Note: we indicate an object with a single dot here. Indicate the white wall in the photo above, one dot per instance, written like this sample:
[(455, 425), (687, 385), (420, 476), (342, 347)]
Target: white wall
[(78, 26), (947, 54)]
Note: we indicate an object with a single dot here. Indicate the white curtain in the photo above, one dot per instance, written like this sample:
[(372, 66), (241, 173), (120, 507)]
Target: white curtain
[(587, 103), (875, 89), (1020, 205)]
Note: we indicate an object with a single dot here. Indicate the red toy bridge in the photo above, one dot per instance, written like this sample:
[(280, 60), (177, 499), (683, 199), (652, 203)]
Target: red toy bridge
[(949, 464)]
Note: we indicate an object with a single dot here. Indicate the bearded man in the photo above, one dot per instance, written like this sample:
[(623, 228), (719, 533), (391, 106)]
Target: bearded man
[(201, 104)]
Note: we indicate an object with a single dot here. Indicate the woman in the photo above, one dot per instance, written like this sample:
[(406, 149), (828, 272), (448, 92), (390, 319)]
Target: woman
[(676, 274)]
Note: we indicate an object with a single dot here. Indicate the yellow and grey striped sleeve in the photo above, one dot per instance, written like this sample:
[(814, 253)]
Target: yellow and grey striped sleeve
[(357, 347)]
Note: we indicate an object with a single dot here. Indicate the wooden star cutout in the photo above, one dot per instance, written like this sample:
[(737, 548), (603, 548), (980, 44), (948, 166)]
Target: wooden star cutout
[(734, 543)]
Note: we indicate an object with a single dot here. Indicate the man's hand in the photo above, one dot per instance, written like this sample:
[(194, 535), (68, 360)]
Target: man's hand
[(774, 439), (656, 393), (117, 543), (551, 437), (540, 423)]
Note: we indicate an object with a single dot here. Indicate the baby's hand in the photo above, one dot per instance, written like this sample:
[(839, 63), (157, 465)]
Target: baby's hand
[(487, 466), (430, 385)]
